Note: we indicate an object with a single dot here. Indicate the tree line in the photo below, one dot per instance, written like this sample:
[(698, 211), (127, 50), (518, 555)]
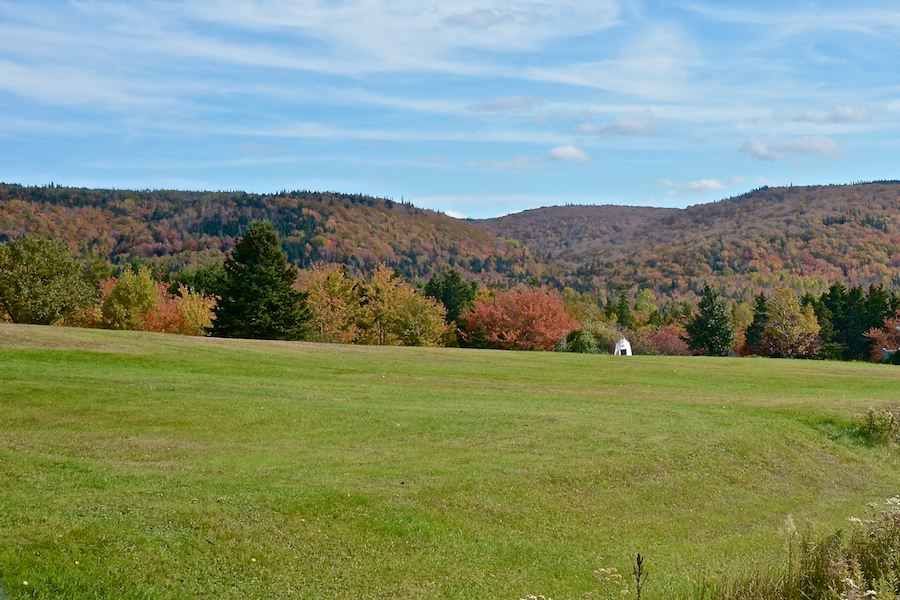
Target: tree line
[(257, 293)]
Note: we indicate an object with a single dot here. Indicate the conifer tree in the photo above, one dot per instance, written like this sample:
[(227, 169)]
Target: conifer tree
[(711, 331), (754, 336), (257, 297), (449, 288)]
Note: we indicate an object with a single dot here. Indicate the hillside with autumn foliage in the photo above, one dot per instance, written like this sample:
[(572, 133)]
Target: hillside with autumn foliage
[(803, 237), (177, 229)]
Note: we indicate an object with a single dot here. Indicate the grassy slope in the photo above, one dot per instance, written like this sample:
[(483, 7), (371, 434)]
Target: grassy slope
[(149, 466)]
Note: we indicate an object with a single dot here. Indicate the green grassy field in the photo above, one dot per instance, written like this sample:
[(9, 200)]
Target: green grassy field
[(138, 465)]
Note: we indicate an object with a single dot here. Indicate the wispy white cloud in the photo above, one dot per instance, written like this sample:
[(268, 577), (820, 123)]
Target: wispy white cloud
[(509, 104), (838, 115), (564, 115), (479, 18), (522, 163), (401, 33), (455, 214), (64, 86), (637, 123), (698, 186), (655, 63), (256, 148), (567, 153), (811, 17), (768, 148)]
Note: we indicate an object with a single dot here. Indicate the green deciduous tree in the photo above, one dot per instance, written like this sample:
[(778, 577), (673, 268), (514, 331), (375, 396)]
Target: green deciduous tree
[(205, 280), (257, 298), (645, 310), (595, 337), (582, 307), (711, 331), (41, 282), (128, 299)]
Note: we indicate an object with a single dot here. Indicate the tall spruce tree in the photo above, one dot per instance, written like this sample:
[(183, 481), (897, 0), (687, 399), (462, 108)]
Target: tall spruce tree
[(257, 298), (623, 312), (449, 288), (711, 331), (754, 335)]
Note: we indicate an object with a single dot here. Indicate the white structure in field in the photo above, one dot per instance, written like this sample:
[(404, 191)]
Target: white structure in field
[(623, 348)]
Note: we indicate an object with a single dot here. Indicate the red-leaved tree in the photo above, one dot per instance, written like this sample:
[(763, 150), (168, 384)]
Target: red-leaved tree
[(519, 319), (886, 338), (669, 340)]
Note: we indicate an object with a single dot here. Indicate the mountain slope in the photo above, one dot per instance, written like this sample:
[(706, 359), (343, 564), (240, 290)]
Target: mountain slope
[(803, 237), (179, 229)]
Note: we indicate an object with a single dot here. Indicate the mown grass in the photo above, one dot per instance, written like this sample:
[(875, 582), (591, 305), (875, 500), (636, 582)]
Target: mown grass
[(140, 465)]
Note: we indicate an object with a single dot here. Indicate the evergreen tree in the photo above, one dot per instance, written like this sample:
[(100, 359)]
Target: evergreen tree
[(755, 331), (452, 291), (609, 311), (711, 331), (257, 297), (831, 314), (853, 312), (623, 313)]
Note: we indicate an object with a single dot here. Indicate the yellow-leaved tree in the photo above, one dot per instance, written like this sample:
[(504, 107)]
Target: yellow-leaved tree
[(392, 312), (333, 299), (791, 330)]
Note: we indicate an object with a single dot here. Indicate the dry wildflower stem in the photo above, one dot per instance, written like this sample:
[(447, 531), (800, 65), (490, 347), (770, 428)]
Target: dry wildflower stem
[(639, 575)]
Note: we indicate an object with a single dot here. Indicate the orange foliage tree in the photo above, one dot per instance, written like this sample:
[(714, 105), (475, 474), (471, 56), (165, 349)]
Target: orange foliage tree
[(188, 313), (333, 299), (518, 319), (886, 338)]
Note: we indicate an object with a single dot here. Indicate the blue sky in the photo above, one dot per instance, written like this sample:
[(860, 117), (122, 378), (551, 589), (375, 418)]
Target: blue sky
[(477, 108)]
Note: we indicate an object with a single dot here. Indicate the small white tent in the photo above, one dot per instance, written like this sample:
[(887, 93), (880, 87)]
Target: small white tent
[(623, 348)]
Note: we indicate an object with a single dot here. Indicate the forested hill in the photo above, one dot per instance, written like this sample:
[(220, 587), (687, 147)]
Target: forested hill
[(180, 229), (804, 237)]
